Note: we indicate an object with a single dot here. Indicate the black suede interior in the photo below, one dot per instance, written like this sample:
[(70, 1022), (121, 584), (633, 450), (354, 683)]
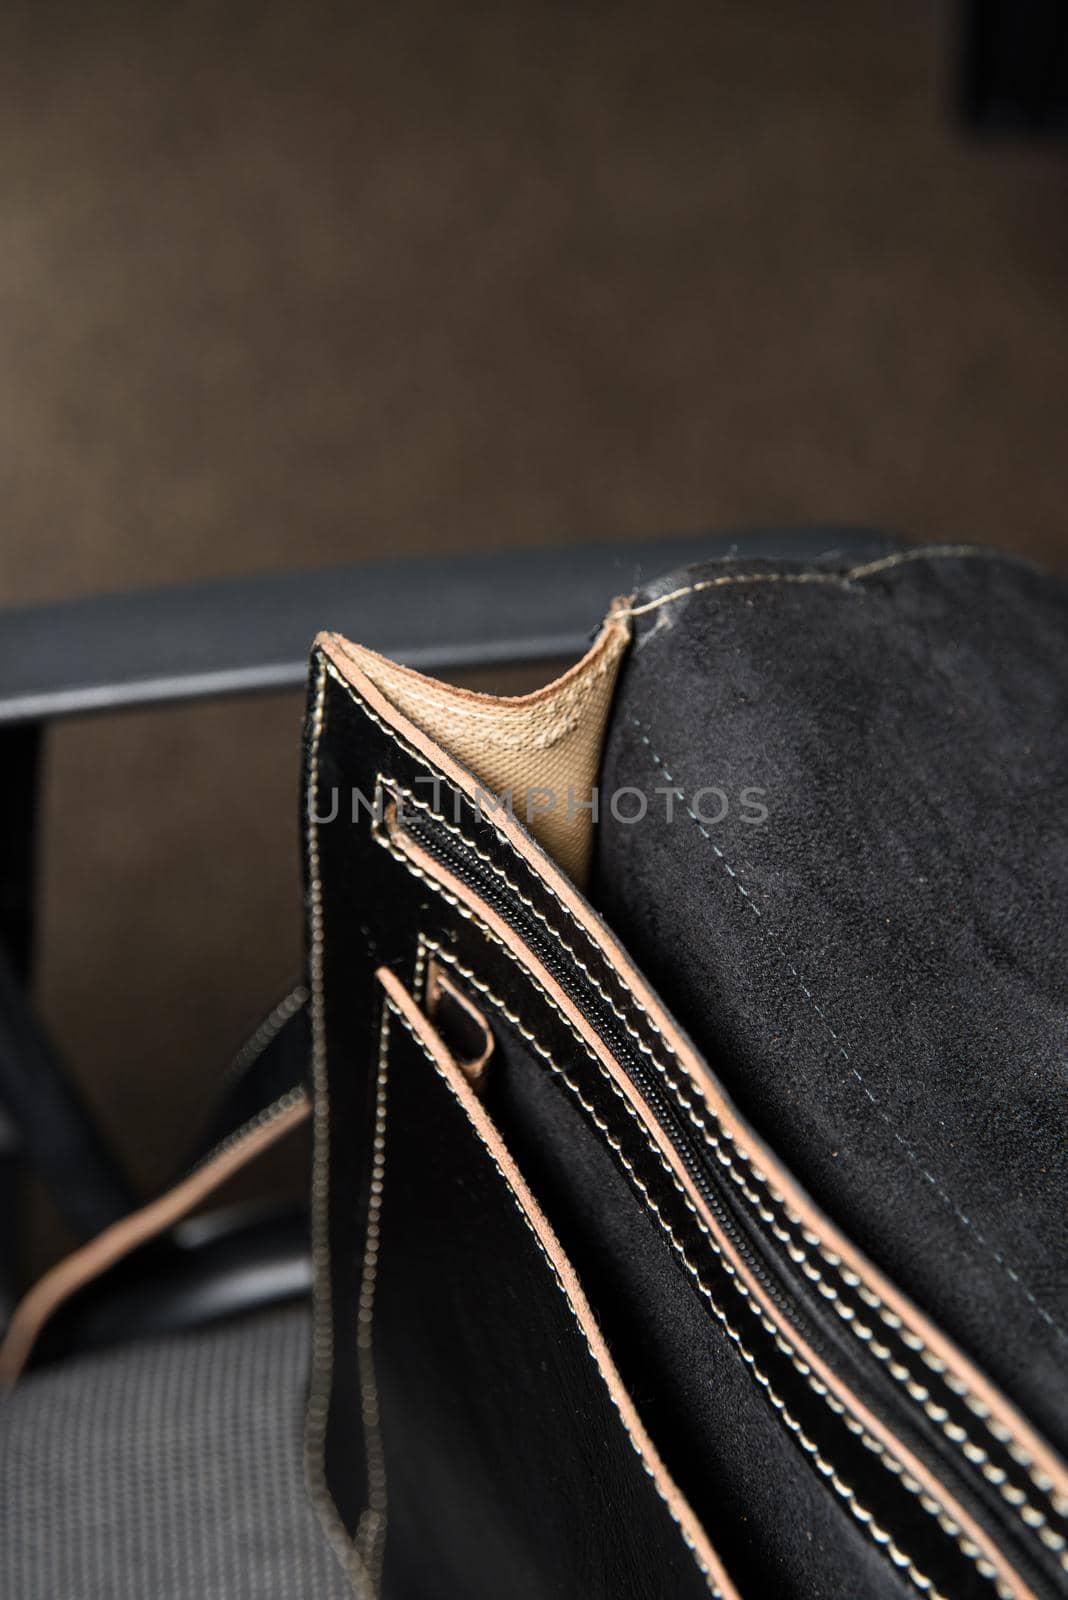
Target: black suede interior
[(877, 970), (779, 1529)]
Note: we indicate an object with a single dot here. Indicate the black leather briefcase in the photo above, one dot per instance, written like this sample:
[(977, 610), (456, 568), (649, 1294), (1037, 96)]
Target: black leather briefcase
[(689, 1047)]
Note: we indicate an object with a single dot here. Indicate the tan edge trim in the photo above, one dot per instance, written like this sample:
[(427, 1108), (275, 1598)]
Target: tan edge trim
[(958, 1437), (439, 983), (532, 748), (1022, 1509), (677, 1505), (320, 1384), (116, 1242), (707, 1089), (369, 1541), (431, 869)]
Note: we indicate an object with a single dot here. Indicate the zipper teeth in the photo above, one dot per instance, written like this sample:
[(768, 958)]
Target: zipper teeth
[(691, 1155), (792, 1300)]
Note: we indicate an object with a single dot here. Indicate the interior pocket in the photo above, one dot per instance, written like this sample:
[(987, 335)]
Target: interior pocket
[(506, 1454), (725, 1446)]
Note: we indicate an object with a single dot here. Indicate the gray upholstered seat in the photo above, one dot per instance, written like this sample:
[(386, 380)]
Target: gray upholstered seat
[(170, 1469)]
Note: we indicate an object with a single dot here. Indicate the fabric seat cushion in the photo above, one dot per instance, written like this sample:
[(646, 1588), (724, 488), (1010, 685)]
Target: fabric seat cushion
[(170, 1468)]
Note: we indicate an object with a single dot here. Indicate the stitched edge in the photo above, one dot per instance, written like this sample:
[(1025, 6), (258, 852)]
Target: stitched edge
[(996, 1255), (1017, 1451), (371, 1530), (908, 1336), (699, 1560), (1034, 1520), (268, 1030), (825, 1468), (840, 580), (322, 1320), (269, 1113), (568, 707), (930, 1504), (567, 703)]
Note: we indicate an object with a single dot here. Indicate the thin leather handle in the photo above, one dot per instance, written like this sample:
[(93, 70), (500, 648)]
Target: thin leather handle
[(118, 1241)]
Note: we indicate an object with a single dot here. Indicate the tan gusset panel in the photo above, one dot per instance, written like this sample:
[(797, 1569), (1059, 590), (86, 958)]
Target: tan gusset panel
[(543, 750)]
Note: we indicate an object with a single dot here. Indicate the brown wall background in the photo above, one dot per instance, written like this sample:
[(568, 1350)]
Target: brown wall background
[(286, 285)]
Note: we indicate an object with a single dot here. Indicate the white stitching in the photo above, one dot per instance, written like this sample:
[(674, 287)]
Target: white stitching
[(836, 1038), (268, 1030), (687, 1540), (1023, 1459), (270, 1113), (945, 1521), (839, 580), (322, 1321), (371, 1529), (955, 1383), (846, 1313), (824, 1467)]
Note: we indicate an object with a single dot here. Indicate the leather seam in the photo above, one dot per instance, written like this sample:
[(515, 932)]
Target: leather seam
[(659, 762), (946, 1522), (902, 1375), (265, 1034), (1032, 1519), (834, 580), (825, 1468), (1022, 1457), (277, 1108), (321, 1383), (571, 704), (371, 1528), (698, 1559)]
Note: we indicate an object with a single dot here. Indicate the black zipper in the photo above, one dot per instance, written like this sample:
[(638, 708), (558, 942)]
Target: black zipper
[(776, 1274), (438, 842)]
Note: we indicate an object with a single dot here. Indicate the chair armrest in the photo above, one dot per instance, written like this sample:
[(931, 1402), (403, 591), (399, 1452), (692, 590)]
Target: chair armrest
[(440, 614)]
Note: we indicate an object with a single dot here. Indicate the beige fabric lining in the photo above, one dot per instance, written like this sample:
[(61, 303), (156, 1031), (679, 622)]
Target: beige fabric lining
[(544, 749), (707, 1089)]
